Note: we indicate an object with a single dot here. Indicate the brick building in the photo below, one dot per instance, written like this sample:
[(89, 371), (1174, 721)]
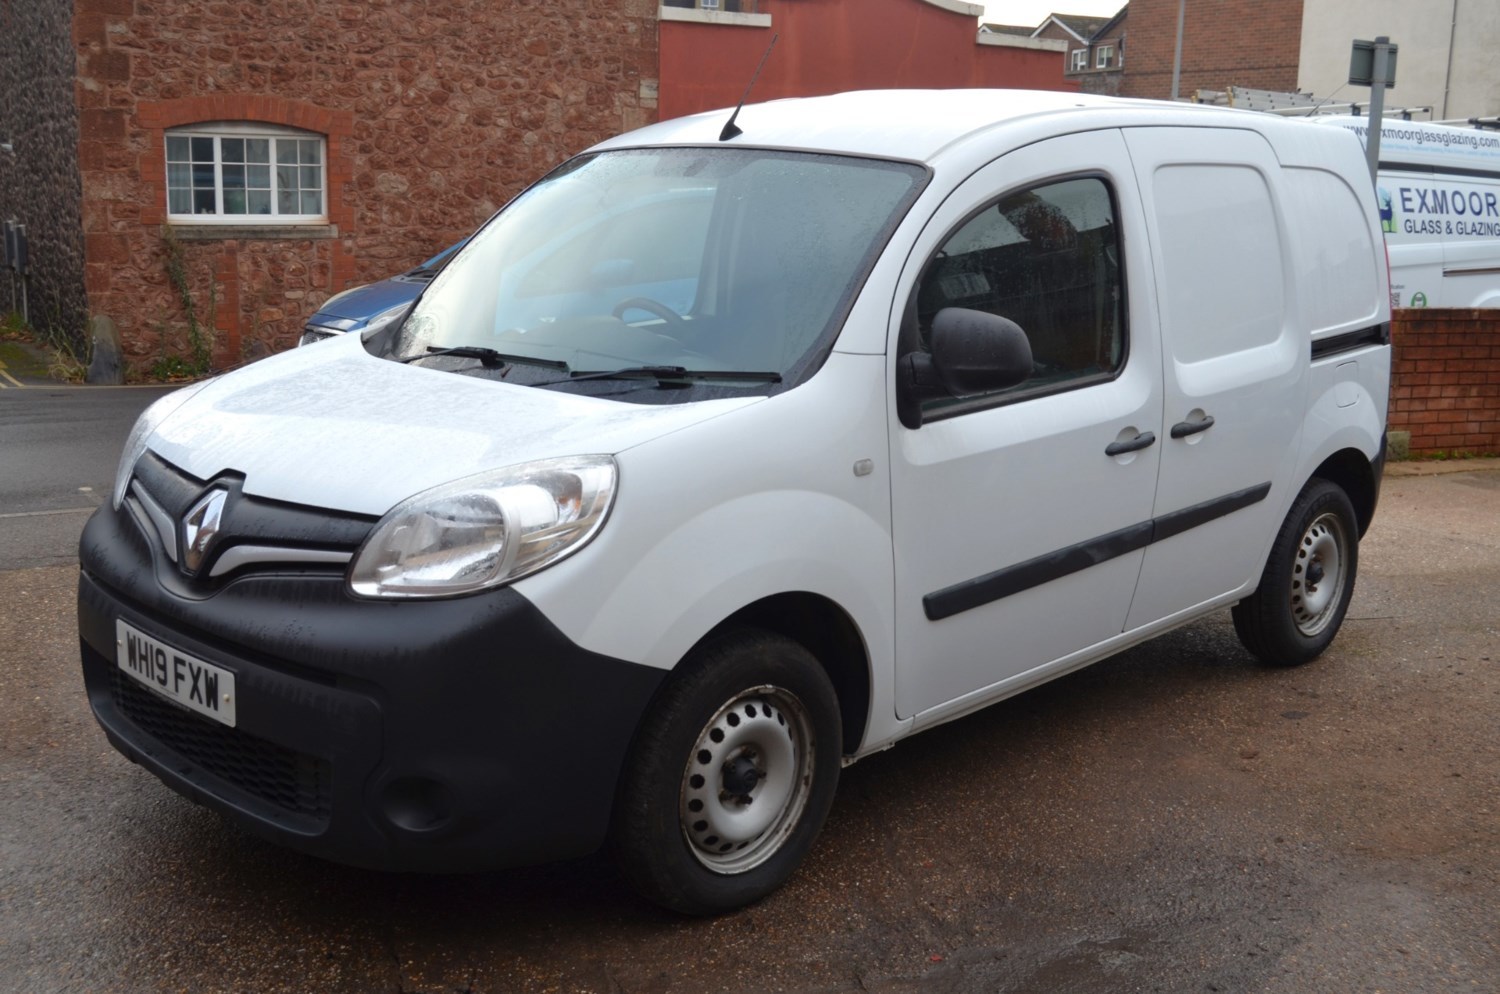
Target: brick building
[(1250, 43), (824, 46), (227, 167), (1098, 63)]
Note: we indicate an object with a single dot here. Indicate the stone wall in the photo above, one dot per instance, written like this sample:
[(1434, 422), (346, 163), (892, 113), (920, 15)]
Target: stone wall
[(39, 178), (435, 115), (1445, 379), (1226, 43)]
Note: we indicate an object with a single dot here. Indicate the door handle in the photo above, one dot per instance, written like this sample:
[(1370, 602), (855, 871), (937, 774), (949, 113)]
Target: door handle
[(1144, 440), (1183, 429)]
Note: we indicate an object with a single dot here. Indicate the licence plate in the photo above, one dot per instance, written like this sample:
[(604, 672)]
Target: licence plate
[(188, 680)]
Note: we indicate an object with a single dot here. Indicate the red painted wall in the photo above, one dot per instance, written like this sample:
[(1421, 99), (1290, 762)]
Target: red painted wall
[(830, 45)]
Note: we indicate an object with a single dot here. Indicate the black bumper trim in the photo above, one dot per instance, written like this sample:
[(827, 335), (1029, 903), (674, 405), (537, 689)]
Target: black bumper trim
[(453, 735)]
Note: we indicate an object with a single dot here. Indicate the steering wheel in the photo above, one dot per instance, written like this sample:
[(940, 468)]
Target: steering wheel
[(676, 326)]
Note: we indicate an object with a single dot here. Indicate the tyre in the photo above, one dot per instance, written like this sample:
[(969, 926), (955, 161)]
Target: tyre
[(1308, 580), (731, 775)]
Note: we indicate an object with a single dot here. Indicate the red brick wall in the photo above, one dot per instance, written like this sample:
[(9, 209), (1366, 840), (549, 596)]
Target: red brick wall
[(1445, 379), (1254, 43), (435, 114)]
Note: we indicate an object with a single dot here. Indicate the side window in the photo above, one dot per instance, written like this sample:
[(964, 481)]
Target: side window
[(1047, 258)]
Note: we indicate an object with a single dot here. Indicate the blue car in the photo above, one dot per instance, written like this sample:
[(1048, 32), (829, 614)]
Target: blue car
[(367, 307)]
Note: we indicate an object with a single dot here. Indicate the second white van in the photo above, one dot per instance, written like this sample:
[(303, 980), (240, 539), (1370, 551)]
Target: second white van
[(1438, 194)]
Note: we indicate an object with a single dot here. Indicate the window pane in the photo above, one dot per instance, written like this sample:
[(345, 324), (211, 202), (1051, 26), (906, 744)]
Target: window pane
[(1047, 259), (232, 174)]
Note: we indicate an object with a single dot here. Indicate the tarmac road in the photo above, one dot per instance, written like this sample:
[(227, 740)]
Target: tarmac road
[(59, 446), (1174, 819)]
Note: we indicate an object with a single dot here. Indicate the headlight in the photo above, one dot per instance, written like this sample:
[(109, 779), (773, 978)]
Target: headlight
[(486, 530), (150, 420)]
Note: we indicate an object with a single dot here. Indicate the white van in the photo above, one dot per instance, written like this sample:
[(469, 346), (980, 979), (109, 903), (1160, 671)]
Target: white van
[(1438, 191), (957, 392)]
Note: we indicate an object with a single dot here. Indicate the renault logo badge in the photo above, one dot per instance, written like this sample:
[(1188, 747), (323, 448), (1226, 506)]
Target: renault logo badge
[(201, 527)]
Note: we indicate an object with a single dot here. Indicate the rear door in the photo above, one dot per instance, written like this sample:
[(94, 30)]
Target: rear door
[(1235, 362)]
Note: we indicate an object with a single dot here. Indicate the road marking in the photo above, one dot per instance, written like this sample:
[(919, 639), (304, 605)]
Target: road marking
[(38, 514)]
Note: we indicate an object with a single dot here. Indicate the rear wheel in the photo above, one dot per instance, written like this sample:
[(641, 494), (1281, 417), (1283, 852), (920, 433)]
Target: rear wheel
[(1305, 589), (732, 774)]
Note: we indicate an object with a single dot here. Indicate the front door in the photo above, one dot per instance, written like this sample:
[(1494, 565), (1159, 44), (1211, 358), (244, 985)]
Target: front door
[(1018, 516)]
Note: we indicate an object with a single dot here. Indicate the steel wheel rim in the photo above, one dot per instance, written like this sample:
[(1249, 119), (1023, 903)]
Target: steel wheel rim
[(1319, 574), (761, 739)]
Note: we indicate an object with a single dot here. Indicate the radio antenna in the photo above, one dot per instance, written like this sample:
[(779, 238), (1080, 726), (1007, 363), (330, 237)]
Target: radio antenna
[(731, 130)]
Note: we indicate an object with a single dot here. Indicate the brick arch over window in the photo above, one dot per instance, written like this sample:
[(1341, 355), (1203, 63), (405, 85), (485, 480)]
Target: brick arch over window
[(158, 116), (155, 118)]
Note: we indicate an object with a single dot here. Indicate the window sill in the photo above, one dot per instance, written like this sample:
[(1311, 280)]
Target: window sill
[(245, 232), (692, 16)]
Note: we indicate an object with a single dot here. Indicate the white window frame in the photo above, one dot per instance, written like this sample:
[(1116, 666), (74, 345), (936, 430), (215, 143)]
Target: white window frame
[(219, 130), (1080, 60), (708, 4), (1104, 57)]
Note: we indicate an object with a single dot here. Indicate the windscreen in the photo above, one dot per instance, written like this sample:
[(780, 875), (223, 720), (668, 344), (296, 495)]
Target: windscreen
[(709, 260)]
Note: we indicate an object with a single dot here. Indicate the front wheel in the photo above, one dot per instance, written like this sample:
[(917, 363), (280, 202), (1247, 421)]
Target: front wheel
[(731, 776), (1308, 580)]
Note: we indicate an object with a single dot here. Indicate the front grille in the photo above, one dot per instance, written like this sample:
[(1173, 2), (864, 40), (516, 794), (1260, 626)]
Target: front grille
[(290, 781)]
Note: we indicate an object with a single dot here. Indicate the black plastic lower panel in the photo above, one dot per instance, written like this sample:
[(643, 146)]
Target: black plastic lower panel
[(460, 734)]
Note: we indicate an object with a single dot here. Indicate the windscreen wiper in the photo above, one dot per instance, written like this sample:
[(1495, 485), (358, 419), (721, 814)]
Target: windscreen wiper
[(662, 374), (490, 357)]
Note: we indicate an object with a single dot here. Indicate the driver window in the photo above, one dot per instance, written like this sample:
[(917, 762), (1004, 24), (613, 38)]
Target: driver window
[(1047, 258)]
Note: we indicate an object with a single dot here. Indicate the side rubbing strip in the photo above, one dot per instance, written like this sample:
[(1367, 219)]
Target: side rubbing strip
[(1376, 334), (1002, 583), (1034, 572), (1201, 514)]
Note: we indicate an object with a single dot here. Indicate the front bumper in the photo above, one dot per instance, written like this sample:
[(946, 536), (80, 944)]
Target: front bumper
[(461, 734)]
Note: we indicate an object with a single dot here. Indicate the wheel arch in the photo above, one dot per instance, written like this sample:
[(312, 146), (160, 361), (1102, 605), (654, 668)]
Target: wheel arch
[(1351, 471), (830, 634)]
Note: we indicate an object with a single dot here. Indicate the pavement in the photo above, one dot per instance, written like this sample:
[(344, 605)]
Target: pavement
[(23, 364), (1172, 819)]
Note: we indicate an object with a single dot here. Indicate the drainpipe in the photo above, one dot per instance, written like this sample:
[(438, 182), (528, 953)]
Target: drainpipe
[(1177, 59), (1448, 76)]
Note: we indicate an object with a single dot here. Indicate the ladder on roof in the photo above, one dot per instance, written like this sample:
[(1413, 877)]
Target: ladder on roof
[(1298, 104)]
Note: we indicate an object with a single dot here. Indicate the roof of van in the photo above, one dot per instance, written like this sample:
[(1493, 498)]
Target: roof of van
[(910, 124)]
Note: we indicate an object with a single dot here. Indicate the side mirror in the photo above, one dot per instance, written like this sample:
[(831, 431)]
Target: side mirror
[(973, 352)]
